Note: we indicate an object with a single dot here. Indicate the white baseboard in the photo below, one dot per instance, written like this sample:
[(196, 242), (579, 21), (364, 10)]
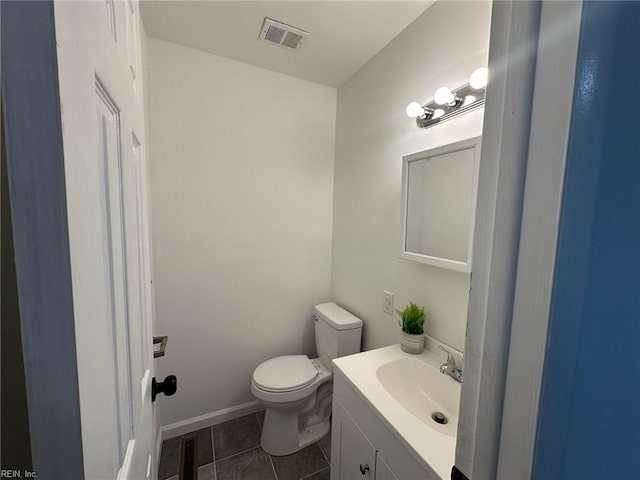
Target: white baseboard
[(207, 420)]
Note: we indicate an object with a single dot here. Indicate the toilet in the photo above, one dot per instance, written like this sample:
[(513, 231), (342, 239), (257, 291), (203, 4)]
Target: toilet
[(296, 391)]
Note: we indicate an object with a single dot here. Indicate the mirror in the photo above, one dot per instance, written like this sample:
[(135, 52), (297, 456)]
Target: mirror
[(439, 204)]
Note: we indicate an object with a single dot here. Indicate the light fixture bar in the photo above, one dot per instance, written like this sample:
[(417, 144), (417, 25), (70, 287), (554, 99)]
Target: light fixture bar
[(465, 93)]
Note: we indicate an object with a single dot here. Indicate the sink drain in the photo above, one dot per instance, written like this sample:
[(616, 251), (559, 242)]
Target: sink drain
[(439, 417)]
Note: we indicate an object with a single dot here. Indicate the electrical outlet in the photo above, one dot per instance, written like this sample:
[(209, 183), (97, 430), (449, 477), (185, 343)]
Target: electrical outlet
[(387, 307)]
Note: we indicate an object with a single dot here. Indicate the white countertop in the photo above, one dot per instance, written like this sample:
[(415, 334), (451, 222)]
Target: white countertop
[(431, 448)]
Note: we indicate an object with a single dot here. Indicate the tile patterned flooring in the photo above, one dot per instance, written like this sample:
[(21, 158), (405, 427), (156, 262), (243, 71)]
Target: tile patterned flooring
[(231, 451)]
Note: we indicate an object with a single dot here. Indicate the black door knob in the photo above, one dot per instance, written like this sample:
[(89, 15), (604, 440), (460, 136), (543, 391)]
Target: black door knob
[(168, 386)]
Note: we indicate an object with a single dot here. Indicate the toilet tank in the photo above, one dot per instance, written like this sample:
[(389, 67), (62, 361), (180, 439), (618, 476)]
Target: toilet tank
[(338, 332)]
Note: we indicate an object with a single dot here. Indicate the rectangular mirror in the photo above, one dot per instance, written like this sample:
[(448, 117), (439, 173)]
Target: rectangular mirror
[(439, 188)]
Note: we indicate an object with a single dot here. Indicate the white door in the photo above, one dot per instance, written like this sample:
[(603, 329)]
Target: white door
[(105, 171)]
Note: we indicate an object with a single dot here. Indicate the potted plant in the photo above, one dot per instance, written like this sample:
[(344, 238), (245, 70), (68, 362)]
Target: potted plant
[(412, 324)]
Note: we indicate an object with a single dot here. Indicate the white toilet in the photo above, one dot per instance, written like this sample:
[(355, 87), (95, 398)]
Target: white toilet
[(296, 391)]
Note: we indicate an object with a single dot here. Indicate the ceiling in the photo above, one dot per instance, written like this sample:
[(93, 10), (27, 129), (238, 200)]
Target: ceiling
[(344, 34)]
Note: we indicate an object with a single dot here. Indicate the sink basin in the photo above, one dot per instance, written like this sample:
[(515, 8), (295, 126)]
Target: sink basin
[(420, 388)]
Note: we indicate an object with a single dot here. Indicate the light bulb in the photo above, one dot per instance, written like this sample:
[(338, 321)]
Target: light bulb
[(478, 78), (414, 109), (437, 113), (444, 96), (468, 100)]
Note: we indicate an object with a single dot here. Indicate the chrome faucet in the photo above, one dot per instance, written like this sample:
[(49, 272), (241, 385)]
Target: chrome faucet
[(450, 368)]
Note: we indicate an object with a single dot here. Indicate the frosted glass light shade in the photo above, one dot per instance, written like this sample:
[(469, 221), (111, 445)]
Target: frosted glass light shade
[(468, 100), (414, 109), (438, 113), (443, 96), (479, 77)]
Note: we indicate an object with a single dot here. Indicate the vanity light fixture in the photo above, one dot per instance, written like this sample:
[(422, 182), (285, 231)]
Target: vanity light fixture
[(449, 103)]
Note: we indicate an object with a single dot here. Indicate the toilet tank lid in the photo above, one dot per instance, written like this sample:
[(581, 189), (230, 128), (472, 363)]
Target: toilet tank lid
[(337, 317)]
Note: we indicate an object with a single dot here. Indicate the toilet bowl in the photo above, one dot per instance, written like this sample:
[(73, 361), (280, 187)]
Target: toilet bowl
[(296, 391)]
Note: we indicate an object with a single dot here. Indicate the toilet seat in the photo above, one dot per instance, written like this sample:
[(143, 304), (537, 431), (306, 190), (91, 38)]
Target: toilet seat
[(285, 374), (280, 397)]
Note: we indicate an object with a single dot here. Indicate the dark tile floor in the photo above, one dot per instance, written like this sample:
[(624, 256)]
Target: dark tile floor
[(231, 451)]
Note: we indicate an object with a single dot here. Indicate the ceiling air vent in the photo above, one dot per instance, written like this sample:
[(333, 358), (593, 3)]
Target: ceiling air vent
[(281, 34)]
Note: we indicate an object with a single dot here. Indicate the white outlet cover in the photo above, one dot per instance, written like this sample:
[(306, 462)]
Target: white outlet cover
[(388, 303)]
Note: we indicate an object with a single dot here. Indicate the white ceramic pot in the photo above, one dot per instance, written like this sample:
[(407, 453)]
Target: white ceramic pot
[(411, 343)]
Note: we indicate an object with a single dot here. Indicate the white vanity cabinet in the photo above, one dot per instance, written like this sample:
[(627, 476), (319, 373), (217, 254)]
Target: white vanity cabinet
[(356, 457), (362, 446)]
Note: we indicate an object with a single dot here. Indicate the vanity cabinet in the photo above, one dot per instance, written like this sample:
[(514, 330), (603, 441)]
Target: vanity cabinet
[(362, 446), (357, 457)]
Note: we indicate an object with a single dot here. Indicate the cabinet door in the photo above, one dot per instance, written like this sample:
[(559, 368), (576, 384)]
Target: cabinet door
[(356, 456), (383, 472)]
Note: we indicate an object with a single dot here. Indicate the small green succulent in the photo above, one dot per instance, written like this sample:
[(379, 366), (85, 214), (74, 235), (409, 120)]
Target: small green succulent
[(412, 319)]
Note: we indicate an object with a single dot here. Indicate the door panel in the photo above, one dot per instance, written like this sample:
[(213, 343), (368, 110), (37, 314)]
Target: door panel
[(135, 286), (116, 272), (383, 472), (356, 457), (139, 460)]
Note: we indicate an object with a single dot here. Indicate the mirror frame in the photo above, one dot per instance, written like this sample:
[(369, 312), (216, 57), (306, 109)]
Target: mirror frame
[(447, 263)]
